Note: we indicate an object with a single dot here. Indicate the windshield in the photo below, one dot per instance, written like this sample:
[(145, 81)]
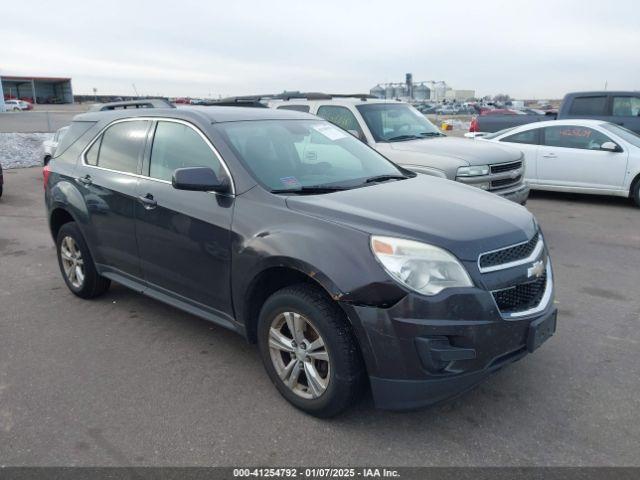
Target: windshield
[(391, 122), (623, 133), (290, 155)]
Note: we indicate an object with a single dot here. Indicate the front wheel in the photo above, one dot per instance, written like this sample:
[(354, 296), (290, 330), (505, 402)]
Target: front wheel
[(309, 350)]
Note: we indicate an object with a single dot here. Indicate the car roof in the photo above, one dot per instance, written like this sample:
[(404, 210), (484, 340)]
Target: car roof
[(332, 101), (204, 114), (560, 123)]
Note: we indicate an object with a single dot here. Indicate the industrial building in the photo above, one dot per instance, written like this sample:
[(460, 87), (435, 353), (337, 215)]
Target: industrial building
[(430, 90), (37, 89)]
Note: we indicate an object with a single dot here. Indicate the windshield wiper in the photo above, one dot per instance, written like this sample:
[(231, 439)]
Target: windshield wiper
[(311, 189), (403, 137), (432, 134), (382, 178)]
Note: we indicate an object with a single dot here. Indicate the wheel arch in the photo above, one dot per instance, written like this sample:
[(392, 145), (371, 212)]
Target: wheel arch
[(275, 275), (632, 186)]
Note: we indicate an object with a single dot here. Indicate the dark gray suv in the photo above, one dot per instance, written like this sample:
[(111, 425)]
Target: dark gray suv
[(344, 268)]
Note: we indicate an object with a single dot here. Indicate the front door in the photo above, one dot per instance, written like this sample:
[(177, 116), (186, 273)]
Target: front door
[(184, 236), (570, 155), (108, 180)]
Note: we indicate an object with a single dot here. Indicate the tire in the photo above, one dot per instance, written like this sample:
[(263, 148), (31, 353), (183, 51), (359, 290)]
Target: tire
[(340, 378), (73, 254), (636, 193), (0, 190)]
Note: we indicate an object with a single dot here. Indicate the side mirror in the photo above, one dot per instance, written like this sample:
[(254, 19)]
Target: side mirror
[(359, 135), (610, 147), (199, 179)]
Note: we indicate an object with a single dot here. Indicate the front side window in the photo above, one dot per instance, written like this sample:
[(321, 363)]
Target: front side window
[(176, 145), (528, 136), (589, 106), (293, 154), (571, 136), (393, 122), (340, 116), (626, 106), (120, 146)]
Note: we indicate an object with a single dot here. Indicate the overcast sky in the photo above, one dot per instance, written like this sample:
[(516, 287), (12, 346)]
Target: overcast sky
[(529, 49)]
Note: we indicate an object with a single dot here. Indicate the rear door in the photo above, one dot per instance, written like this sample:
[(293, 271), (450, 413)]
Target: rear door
[(108, 180), (184, 236), (570, 156), (625, 111)]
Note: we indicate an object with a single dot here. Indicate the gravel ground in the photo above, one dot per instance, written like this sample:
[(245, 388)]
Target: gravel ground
[(19, 150)]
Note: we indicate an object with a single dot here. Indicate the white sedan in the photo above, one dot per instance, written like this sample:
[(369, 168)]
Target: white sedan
[(586, 156), (49, 146)]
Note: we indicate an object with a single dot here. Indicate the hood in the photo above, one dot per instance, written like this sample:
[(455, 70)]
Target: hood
[(464, 220), (473, 153)]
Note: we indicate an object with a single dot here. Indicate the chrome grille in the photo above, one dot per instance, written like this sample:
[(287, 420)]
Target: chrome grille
[(508, 255), (505, 167)]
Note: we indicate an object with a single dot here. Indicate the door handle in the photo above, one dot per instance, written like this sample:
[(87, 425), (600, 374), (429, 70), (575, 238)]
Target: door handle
[(86, 180), (550, 155), (148, 202)]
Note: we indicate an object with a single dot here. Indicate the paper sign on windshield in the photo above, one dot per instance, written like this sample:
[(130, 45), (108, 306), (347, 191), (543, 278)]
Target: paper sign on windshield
[(329, 131)]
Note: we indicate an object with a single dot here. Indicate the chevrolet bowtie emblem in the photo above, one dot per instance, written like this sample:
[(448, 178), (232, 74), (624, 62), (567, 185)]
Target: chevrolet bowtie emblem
[(536, 270)]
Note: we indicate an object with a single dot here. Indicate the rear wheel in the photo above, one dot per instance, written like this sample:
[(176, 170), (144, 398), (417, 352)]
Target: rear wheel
[(77, 267), (636, 193), (309, 351)]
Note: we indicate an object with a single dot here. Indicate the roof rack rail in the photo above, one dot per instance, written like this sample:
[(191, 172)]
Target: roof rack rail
[(143, 103), (257, 100)]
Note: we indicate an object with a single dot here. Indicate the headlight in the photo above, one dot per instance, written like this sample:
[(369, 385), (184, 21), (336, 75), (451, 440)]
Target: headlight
[(421, 267), (473, 171)]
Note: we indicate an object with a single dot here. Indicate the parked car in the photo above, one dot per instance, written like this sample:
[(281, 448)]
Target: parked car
[(622, 108), (405, 136), (288, 230), (49, 146), (17, 105), (587, 156)]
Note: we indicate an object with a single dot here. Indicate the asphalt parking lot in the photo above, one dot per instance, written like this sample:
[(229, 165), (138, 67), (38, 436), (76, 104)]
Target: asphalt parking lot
[(126, 380)]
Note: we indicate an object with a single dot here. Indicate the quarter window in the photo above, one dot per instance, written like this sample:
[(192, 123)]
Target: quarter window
[(119, 147), (176, 145), (571, 136), (589, 106), (341, 117), (626, 106), (529, 136)]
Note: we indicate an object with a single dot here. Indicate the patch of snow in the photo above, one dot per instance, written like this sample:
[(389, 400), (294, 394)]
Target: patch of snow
[(19, 150)]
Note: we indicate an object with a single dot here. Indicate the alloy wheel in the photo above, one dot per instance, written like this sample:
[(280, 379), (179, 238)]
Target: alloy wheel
[(72, 261), (299, 355)]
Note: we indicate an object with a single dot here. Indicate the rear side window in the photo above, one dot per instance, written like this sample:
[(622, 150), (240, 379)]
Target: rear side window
[(589, 106), (339, 116), (530, 137), (176, 145), (119, 147), (297, 108), (626, 106), (574, 137)]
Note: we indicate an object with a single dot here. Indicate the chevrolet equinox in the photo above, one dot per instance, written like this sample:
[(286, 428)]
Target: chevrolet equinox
[(347, 270)]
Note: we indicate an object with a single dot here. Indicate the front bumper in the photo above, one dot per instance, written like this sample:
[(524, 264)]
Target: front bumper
[(519, 195), (425, 350)]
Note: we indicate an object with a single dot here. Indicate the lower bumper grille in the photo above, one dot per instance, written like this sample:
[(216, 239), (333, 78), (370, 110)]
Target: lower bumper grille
[(522, 297), (506, 182)]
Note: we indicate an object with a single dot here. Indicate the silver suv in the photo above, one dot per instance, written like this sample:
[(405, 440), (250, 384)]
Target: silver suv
[(407, 137)]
